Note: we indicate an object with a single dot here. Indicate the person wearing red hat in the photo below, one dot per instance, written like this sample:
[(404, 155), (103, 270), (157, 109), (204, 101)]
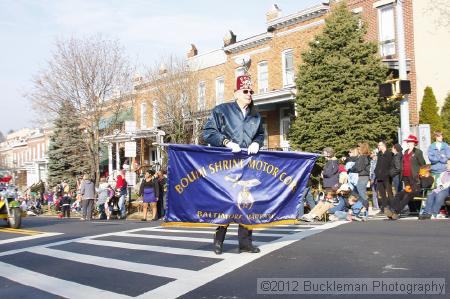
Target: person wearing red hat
[(412, 161), (236, 125)]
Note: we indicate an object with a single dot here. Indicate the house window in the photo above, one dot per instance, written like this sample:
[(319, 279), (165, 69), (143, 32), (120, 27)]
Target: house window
[(266, 134), (155, 114), (288, 67), (220, 90), (143, 115), (239, 71), (263, 77), (201, 95), (285, 125), (386, 30)]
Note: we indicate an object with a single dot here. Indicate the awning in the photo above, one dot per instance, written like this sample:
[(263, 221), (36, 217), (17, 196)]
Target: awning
[(114, 119)]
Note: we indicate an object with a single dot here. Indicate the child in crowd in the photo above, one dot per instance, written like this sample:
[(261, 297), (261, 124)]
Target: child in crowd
[(65, 205), (329, 204), (356, 210)]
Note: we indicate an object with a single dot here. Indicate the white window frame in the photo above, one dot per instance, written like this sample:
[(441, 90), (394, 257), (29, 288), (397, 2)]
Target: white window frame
[(143, 116), (201, 96), (286, 77), (220, 90), (263, 86), (284, 142), (266, 136), (387, 40), (155, 114)]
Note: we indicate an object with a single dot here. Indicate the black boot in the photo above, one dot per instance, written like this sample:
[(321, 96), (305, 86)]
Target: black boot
[(250, 249), (218, 247)]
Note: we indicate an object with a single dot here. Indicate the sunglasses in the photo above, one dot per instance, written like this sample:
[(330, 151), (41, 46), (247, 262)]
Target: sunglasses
[(246, 91)]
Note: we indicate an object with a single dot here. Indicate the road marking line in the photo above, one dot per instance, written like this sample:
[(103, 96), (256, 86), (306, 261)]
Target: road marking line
[(212, 232), (174, 238), (149, 269), (182, 286), (19, 231), (163, 249), (20, 239), (57, 286)]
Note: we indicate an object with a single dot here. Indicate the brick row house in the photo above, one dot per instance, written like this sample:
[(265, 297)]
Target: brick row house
[(24, 154), (272, 59)]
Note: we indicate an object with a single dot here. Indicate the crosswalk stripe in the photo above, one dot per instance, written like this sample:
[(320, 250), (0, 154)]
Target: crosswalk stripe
[(206, 232), (26, 238), (180, 287), (169, 272), (163, 249), (187, 239), (57, 286)]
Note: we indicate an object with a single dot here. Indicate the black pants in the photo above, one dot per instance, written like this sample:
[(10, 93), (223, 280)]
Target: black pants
[(160, 207), (66, 211), (400, 200), (414, 206), (385, 192), (244, 236)]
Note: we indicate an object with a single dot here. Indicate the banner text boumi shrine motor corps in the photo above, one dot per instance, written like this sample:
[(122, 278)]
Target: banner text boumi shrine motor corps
[(212, 186)]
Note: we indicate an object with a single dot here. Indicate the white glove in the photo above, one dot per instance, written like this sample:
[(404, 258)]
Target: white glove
[(253, 148), (235, 148)]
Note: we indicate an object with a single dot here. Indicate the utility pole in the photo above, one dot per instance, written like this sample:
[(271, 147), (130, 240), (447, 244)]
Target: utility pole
[(404, 104)]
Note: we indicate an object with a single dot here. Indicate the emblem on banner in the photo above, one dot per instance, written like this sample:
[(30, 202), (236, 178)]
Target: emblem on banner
[(245, 198)]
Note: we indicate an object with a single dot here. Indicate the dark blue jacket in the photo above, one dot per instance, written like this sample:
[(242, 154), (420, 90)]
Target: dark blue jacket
[(330, 174), (227, 122), (339, 206)]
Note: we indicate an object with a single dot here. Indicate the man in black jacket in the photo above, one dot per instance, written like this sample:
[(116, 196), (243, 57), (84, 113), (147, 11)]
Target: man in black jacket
[(382, 176)]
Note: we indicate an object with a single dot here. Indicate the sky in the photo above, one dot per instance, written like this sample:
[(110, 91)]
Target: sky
[(147, 29)]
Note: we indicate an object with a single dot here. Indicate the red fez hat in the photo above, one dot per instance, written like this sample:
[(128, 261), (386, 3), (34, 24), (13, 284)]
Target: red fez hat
[(243, 82), (412, 138)]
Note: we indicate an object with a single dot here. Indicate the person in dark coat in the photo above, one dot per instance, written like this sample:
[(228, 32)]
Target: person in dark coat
[(382, 175), (396, 166), (236, 125), (162, 181), (330, 171)]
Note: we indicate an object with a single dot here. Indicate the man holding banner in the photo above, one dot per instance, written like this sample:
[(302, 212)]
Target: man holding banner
[(236, 125)]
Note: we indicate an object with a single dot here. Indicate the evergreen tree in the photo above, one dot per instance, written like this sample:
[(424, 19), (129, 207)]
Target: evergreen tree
[(67, 150), (429, 111), (445, 117), (337, 89)]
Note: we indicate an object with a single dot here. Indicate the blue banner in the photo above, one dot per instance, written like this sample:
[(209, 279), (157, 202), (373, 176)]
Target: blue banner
[(212, 185)]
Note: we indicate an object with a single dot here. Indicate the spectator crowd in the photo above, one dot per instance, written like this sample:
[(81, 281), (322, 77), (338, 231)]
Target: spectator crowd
[(400, 182)]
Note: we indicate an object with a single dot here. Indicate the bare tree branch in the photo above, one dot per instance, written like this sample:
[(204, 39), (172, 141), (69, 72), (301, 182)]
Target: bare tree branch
[(93, 75)]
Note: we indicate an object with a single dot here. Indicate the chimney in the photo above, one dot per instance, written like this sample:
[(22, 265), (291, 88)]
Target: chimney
[(229, 38), (193, 51), (273, 13)]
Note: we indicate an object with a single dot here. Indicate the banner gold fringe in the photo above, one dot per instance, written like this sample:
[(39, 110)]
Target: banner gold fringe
[(248, 226)]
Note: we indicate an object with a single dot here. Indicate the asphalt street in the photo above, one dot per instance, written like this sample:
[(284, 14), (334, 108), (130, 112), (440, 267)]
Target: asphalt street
[(69, 258)]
